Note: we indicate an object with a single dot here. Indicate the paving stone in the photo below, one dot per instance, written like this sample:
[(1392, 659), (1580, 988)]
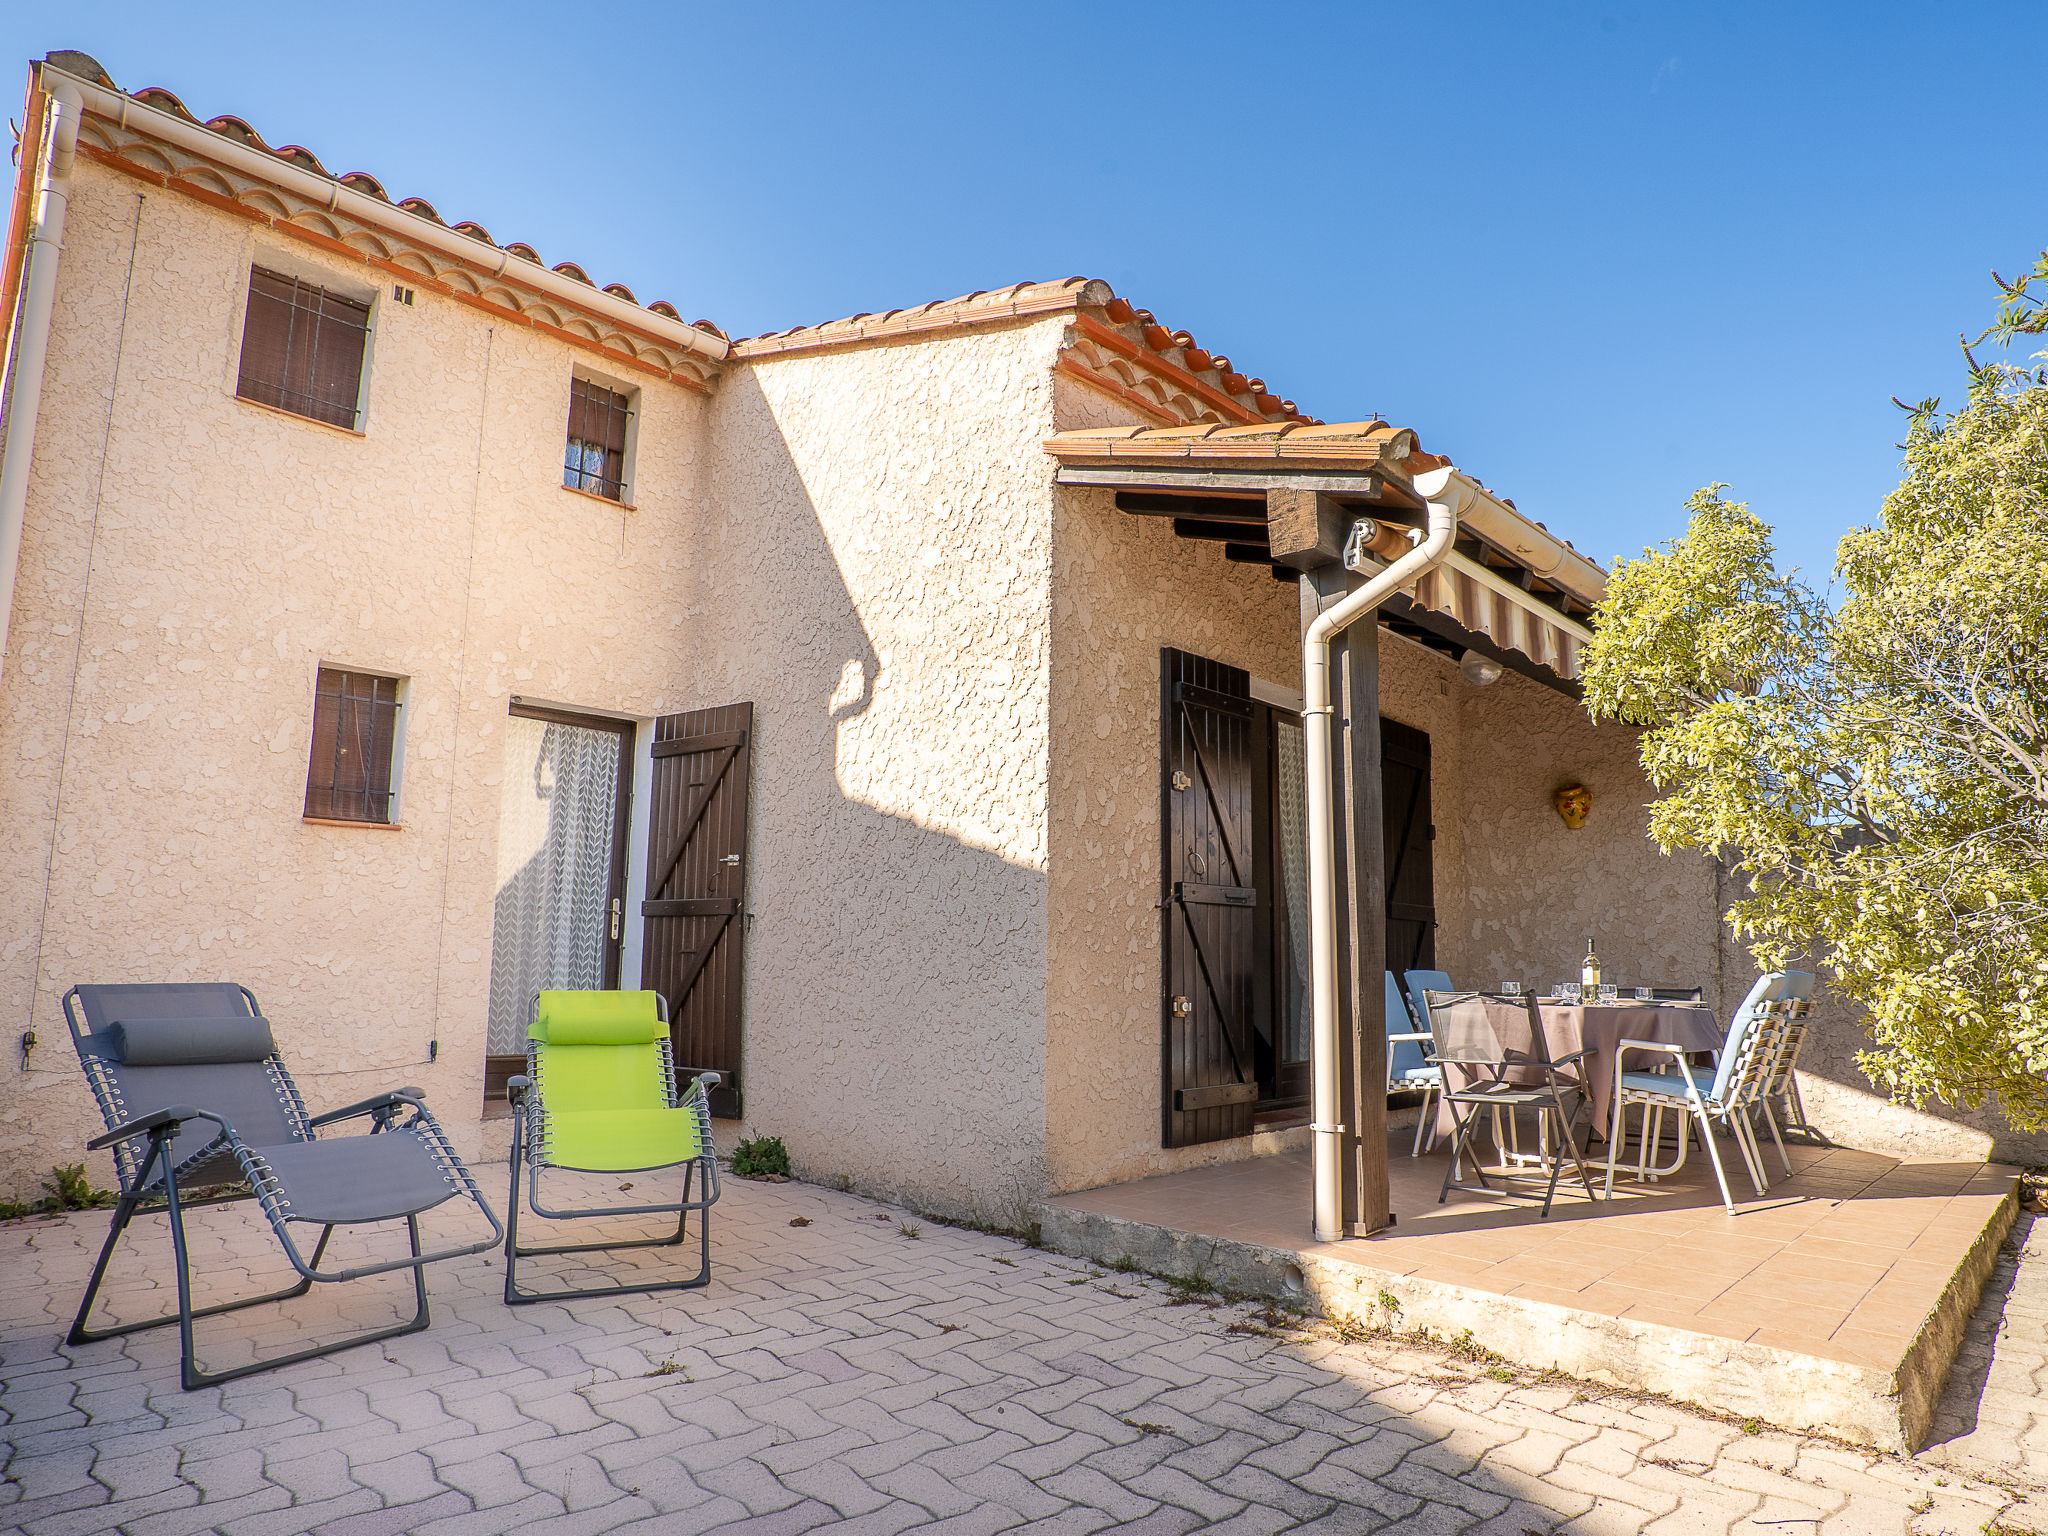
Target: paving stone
[(822, 1386)]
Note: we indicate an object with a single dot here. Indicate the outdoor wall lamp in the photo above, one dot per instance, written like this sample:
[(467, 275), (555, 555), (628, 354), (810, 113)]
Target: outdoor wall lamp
[(1573, 802), (1479, 670)]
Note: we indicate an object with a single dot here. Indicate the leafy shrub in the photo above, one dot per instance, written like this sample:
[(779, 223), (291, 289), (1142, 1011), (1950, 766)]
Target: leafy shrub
[(71, 1190), (764, 1157), (68, 1190)]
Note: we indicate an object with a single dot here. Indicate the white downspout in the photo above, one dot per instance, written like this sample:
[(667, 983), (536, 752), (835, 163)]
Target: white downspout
[(1444, 491), (32, 338)]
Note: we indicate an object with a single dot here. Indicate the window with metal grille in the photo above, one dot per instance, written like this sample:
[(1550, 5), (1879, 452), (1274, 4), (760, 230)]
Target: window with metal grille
[(355, 736), (596, 458), (302, 349)]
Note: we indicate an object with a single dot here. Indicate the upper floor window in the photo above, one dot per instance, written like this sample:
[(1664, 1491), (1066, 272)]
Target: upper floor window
[(350, 775), (596, 457), (302, 349)]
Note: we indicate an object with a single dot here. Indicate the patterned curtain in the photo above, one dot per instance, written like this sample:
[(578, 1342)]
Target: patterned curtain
[(1292, 794), (555, 839)]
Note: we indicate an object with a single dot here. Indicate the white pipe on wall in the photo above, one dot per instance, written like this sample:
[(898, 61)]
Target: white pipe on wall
[(32, 337), (1445, 491)]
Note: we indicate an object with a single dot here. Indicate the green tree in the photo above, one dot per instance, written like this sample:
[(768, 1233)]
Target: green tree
[(1875, 769)]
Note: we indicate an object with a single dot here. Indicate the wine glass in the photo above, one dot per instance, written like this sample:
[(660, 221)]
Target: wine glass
[(1643, 994), (1511, 989), (1609, 992), (1568, 992)]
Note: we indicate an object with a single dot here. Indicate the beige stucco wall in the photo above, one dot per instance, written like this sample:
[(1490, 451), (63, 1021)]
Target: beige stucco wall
[(1516, 892), (231, 551), (876, 575), (952, 950), (1534, 889)]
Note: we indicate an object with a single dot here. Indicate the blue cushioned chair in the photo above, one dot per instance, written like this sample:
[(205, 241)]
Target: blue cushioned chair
[(1420, 985), (1726, 1091), (1409, 1065)]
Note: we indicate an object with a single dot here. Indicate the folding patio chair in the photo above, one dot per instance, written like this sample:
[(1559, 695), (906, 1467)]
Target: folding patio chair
[(1409, 1066), (1780, 1085), (194, 1095), (599, 1096), (1497, 1044), (1420, 984), (1725, 1091)]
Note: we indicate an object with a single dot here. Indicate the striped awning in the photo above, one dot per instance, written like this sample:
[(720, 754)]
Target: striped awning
[(1488, 604)]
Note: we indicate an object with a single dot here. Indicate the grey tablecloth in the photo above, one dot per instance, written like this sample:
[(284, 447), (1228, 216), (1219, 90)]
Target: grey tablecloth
[(1569, 1027)]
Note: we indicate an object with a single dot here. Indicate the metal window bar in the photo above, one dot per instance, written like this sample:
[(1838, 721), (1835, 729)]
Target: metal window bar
[(298, 377), (595, 459), (355, 731)]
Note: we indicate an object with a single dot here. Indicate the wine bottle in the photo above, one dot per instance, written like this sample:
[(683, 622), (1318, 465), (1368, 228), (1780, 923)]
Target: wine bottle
[(1589, 968)]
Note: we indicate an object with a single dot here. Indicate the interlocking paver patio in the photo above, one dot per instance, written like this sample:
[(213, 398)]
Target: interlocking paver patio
[(842, 1376)]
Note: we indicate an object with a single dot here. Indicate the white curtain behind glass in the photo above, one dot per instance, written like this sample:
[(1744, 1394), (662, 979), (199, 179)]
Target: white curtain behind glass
[(555, 829), (1292, 793)]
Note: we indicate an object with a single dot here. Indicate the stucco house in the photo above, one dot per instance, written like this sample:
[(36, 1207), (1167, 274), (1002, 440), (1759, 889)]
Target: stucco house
[(912, 699)]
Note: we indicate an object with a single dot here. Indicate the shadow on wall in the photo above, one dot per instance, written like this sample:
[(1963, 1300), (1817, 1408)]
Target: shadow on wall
[(895, 973)]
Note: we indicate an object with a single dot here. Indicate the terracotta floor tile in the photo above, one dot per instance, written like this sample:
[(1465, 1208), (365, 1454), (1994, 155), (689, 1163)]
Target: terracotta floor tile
[(1873, 1354), (1615, 1300), (1814, 1323), (1673, 1281), (1554, 1295)]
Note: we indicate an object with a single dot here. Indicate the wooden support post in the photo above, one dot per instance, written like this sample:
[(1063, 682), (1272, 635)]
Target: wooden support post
[(1305, 529), (1361, 903)]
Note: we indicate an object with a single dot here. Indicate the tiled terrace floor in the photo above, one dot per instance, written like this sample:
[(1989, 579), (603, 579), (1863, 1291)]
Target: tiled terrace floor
[(847, 1375), (1843, 1260)]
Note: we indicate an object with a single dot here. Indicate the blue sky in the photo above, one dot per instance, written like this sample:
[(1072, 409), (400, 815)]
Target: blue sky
[(1599, 254)]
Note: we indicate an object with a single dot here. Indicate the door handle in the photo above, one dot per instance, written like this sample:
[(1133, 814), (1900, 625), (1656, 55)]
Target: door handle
[(730, 858), (615, 919)]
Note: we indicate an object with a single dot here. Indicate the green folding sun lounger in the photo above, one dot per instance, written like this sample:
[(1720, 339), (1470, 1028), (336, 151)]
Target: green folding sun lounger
[(599, 1096)]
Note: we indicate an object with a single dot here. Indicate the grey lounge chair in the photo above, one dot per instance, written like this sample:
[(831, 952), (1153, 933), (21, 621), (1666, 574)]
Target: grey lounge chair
[(189, 1081)]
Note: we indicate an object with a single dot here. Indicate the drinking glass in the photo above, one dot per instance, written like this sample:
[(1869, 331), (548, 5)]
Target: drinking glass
[(1643, 994), (1609, 991), (1511, 989), (1568, 991)]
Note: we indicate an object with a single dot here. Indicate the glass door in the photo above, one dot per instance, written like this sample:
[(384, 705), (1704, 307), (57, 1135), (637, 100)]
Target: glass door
[(560, 908)]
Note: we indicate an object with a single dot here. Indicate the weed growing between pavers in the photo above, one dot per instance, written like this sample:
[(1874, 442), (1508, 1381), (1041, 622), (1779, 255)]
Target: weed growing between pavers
[(68, 1190), (761, 1157)]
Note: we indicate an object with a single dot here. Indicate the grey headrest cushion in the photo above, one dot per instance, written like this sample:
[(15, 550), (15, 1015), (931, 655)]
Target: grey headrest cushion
[(190, 1042)]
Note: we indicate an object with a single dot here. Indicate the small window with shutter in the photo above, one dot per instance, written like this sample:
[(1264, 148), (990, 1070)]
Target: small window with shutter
[(302, 349), (596, 457), (351, 773)]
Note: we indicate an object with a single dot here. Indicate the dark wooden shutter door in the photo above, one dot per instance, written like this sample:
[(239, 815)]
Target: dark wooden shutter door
[(1208, 900), (696, 883), (1411, 874)]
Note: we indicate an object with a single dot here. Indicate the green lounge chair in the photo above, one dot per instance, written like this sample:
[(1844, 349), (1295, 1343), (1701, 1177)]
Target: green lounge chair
[(599, 1096)]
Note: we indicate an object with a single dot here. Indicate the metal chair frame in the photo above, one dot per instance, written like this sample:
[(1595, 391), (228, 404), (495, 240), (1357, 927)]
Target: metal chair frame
[(1780, 1084), (1495, 1093), (1759, 1049), (1431, 1089), (154, 1132), (529, 1144)]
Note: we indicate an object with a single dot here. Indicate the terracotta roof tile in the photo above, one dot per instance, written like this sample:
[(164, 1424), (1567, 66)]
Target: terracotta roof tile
[(1171, 375), (240, 131)]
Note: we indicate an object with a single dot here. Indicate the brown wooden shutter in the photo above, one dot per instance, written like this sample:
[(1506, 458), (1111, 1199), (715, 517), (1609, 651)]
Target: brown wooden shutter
[(1208, 900), (302, 348), (694, 914), (355, 727), (1411, 874)]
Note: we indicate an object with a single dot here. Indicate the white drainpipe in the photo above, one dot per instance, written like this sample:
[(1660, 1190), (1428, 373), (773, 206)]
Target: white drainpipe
[(1446, 492), (32, 337)]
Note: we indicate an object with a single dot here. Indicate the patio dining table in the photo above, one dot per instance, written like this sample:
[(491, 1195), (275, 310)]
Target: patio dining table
[(1598, 1028)]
